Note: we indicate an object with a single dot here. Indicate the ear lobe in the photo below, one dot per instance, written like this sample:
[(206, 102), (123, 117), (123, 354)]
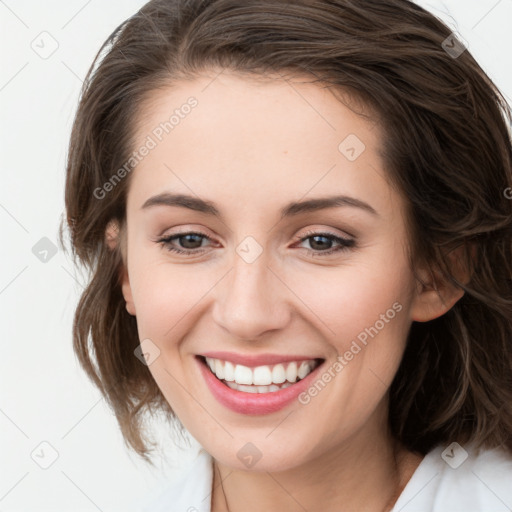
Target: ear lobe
[(117, 242), (431, 304), (435, 294), (127, 291)]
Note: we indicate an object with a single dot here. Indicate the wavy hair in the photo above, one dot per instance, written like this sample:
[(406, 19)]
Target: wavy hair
[(447, 149)]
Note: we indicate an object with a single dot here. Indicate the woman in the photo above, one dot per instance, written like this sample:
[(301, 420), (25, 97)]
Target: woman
[(297, 223)]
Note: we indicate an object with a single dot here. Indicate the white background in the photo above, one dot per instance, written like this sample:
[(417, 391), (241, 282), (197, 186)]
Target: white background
[(44, 395)]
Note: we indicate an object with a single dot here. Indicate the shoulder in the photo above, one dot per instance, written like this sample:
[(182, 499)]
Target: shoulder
[(191, 492), (458, 478)]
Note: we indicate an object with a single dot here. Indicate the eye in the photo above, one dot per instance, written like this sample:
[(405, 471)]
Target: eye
[(322, 243), (191, 242)]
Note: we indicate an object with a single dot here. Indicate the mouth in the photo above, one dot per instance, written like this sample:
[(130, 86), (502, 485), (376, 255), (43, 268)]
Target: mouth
[(258, 390), (260, 379)]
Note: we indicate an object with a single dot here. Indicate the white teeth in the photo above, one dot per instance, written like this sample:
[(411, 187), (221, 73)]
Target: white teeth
[(243, 375), (229, 370), (304, 369), (263, 376), (257, 389), (219, 369), (291, 372), (278, 374), (247, 389), (211, 363)]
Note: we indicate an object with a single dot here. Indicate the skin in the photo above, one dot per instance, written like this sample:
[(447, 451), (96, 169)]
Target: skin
[(251, 147)]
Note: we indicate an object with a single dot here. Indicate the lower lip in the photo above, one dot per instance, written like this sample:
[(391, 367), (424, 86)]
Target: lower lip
[(254, 403)]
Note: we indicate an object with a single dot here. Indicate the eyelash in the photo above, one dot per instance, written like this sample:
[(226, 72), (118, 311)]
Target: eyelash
[(344, 243)]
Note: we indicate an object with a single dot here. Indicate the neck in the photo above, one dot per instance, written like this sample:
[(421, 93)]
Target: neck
[(365, 473)]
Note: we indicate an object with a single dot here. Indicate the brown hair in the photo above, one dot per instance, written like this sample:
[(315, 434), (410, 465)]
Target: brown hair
[(447, 148)]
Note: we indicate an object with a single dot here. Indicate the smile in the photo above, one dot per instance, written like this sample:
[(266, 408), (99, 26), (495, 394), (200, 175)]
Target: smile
[(257, 390), (262, 379)]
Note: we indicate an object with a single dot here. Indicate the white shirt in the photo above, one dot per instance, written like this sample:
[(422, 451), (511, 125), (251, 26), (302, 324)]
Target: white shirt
[(444, 481)]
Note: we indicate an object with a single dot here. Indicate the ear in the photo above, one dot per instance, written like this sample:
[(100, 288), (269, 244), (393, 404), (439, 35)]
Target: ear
[(127, 291), (112, 234), (435, 294), (114, 239)]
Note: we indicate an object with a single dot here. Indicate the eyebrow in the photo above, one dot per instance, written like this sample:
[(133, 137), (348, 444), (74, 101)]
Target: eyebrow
[(290, 210)]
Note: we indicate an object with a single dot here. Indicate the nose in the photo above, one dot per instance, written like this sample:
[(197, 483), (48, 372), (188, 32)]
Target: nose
[(251, 300)]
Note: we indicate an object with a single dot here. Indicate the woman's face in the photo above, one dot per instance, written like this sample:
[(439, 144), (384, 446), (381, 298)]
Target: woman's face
[(329, 282)]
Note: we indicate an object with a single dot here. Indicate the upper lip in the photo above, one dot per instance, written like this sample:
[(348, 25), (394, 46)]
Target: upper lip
[(253, 360)]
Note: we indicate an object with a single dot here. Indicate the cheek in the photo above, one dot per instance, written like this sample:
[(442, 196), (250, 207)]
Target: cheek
[(362, 312), (165, 294), (349, 300), (364, 317), (169, 297)]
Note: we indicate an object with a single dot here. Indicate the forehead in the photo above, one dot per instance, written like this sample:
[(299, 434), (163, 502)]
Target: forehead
[(258, 140)]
